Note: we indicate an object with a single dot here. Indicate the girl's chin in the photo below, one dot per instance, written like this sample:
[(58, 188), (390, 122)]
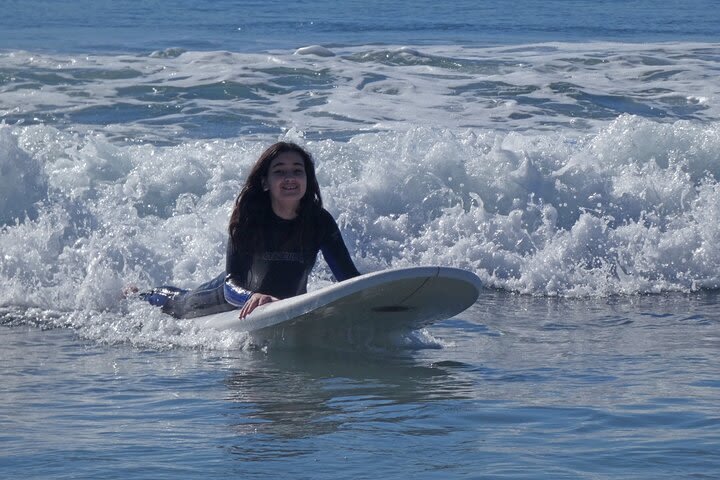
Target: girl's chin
[(289, 196), (287, 200)]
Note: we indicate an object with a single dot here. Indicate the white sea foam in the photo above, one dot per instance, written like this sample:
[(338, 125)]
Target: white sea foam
[(183, 94), (318, 50), (424, 165), (630, 209)]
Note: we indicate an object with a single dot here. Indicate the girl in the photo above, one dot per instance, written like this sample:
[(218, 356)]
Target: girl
[(277, 228)]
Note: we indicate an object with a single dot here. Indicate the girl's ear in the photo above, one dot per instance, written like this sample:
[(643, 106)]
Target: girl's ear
[(264, 184)]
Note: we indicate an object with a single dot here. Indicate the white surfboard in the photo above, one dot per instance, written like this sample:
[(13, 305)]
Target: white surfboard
[(389, 300)]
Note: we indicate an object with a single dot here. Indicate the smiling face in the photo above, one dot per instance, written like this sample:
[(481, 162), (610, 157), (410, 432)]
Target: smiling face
[(286, 181)]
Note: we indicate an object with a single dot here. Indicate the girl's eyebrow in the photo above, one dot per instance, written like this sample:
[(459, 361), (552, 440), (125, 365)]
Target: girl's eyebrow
[(294, 164)]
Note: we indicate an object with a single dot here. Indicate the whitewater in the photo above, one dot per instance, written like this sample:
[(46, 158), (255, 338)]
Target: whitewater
[(553, 170)]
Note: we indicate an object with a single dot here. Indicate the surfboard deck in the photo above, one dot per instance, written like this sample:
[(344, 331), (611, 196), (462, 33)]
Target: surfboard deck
[(396, 299)]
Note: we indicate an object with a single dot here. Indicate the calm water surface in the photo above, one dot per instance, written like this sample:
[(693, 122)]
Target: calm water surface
[(523, 388)]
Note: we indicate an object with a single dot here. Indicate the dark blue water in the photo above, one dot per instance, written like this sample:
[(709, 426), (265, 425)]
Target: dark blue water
[(114, 26)]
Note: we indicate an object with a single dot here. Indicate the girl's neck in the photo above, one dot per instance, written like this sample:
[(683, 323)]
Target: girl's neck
[(286, 212)]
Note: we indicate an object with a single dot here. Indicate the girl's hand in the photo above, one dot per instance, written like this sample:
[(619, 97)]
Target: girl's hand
[(255, 301)]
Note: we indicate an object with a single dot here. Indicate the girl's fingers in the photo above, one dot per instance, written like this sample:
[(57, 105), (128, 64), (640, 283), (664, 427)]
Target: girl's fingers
[(255, 301), (247, 308)]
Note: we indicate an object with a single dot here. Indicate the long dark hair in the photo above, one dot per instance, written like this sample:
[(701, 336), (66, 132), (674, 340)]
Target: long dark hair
[(253, 210)]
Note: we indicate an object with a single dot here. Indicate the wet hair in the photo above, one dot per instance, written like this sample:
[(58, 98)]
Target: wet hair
[(253, 210)]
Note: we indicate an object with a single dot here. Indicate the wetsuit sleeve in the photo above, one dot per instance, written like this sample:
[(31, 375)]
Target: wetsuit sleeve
[(334, 250), (234, 293), (237, 266)]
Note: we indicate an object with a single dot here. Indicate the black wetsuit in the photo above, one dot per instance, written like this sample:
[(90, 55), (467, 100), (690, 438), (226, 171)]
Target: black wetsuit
[(280, 270)]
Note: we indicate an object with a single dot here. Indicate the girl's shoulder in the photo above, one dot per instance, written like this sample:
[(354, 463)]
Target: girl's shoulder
[(325, 218)]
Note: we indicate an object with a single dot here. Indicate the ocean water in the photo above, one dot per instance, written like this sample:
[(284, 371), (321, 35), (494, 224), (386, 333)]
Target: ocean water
[(567, 152)]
